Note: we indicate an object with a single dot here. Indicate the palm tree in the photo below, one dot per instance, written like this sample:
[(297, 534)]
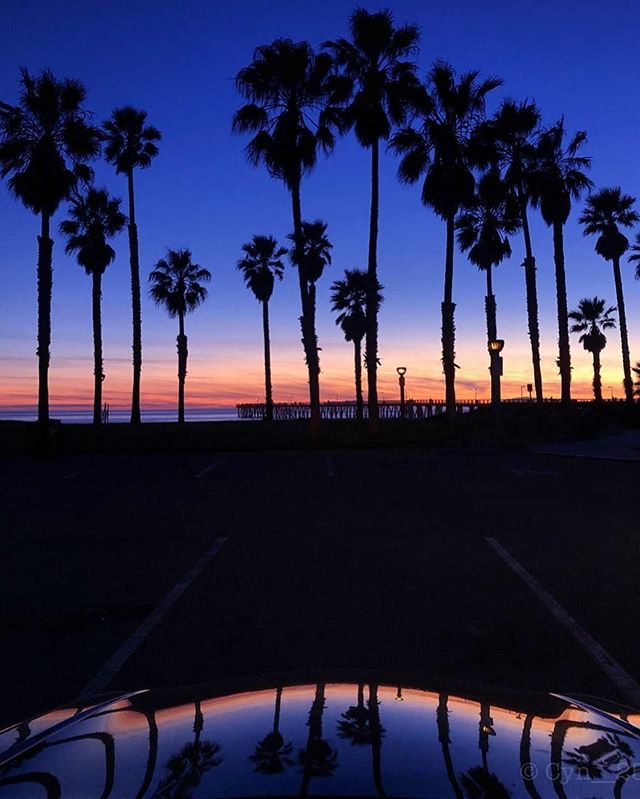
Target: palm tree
[(508, 140), (349, 297), (131, 144), (558, 176), (378, 83), (311, 253), (261, 265), (635, 258), (272, 754), (319, 758), (439, 150), (287, 91), (95, 217), (355, 723), (176, 283), (591, 319), (483, 230), (45, 142), (605, 213), (636, 371)]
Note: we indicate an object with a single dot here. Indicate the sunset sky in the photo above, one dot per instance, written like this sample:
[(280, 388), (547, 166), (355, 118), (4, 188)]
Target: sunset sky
[(177, 60)]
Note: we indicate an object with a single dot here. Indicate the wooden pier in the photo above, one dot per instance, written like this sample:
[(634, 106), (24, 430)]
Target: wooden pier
[(413, 409)]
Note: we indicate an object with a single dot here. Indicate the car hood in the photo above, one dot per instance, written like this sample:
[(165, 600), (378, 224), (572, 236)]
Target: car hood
[(361, 738)]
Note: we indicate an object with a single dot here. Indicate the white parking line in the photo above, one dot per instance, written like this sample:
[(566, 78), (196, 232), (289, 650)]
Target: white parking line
[(609, 665), (117, 661), (330, 472), (69, 476), (207, 469)]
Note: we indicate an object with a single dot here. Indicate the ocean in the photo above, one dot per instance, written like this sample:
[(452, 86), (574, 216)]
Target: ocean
[(85, 415)]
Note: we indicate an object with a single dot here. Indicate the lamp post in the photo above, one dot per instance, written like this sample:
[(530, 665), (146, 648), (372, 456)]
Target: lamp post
[(401, 370), (495, 348)]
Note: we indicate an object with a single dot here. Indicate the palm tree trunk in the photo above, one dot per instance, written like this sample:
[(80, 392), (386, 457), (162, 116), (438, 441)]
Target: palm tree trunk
[(448, 328), (134, 260), (357, 346), (307, 324), (526, 767), (597, 380), (564, 351), (624, 338), (98, 374), (268, 392), (532, 299), (376, 739), (182, 366), (442, 722), (492, 335), (372, 310), (276, 712), (45, 282)]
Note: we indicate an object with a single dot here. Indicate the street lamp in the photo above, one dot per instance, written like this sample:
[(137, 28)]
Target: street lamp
[(401, 370), (495, 348)]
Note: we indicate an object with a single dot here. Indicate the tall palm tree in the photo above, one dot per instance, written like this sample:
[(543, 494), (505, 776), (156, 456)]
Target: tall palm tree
[(45, 143), (378, 83), (260, 266), (558, 176), (349, 298), (311, 253), (287, 91), (438, 149), (176, 283), (605, 213), (272, 754), (130, 144), (591, 319), (508, 140), (319, 758), (94, 218), (483, 227)]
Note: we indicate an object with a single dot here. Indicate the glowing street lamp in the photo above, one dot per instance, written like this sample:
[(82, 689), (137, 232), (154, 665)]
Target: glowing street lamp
[(401, 370), (495, 348)]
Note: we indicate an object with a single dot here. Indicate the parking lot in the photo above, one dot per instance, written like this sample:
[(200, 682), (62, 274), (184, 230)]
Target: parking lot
[(508, 569)]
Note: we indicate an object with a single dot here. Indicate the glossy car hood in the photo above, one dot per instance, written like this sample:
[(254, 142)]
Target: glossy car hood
[(324, 739)]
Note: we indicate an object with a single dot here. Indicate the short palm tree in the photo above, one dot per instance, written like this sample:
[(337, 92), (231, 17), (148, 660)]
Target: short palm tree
[(349, 299), (508, 140), (45, 143), (558, 176), (636, 371), (260, 266), (635, 258), (286, 112), (377, 81), (438, 149), (272, 755), (484, 227), (605, 213), (591, 319), (94, 218), (131, 144), (311, 253), (176, 283)]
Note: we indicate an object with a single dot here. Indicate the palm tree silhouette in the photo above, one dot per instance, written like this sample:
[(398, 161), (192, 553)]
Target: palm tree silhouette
[(261, 265), (319, 758), (185, 768), (176, 283), (45, 142), (557, 178), (95, 217), (478, 783), (439, 150), (272, 754), (635, 258), (286, 89), (311, 253), (378, 85), (508, 140), (590, 319), (355, 723), (636, 371), (483, 229), (349, 297), (130, 143), (605, 213), (442, 723)]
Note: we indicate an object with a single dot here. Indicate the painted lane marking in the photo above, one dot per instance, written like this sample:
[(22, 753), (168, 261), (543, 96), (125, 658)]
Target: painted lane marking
[(529, 472), (207, 469), (117, 661), (69, 476), (609, 665), (330, 472)]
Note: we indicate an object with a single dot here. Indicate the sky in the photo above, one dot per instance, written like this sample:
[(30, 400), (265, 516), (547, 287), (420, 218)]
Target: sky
[(177, 60)]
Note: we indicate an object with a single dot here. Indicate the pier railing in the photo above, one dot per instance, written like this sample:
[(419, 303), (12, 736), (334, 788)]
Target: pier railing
[(413, 409)]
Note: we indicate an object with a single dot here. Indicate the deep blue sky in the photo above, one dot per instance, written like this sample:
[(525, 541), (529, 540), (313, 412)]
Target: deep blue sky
[(178, 60)]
